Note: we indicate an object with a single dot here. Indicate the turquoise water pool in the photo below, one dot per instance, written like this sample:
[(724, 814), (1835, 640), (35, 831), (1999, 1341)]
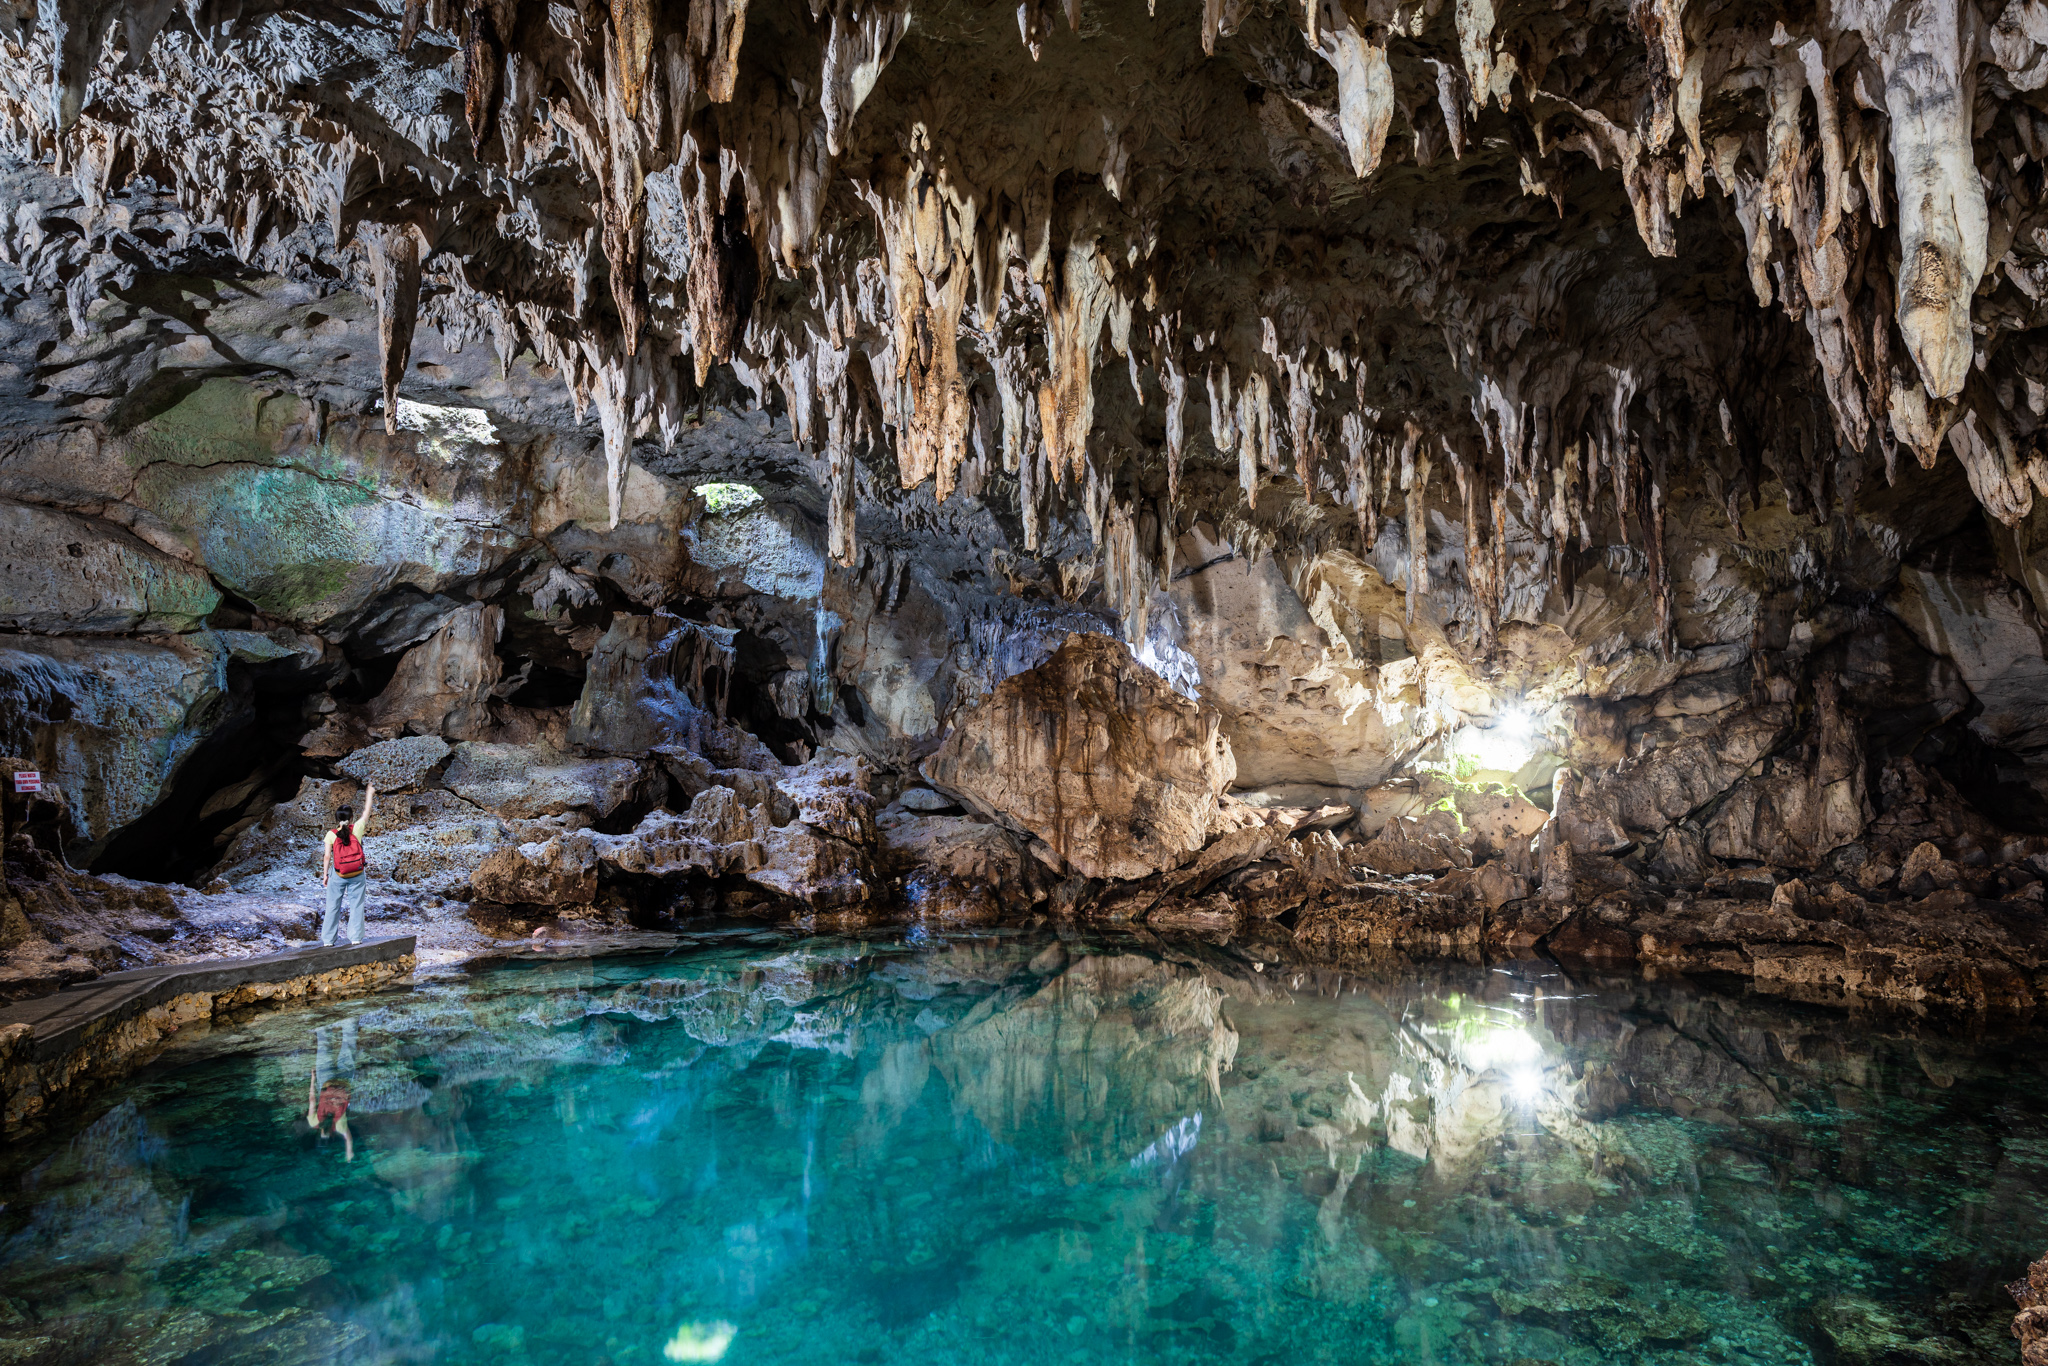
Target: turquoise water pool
[(1007, 1149)]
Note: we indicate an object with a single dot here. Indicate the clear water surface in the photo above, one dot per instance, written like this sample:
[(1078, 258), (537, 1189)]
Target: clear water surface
[(1002, 1149)]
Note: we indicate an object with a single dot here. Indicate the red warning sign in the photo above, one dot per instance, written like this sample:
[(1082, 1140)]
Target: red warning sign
[(28, 780)]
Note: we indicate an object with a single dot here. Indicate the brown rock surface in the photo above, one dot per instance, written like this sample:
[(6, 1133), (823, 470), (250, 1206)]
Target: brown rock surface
[(1094, 754)]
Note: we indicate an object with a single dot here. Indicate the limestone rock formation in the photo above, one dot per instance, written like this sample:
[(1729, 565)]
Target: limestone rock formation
[(1094, 755), (1543, 480)]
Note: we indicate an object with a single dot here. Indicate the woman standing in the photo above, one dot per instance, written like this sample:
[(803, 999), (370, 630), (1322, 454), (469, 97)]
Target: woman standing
[(343, 870)]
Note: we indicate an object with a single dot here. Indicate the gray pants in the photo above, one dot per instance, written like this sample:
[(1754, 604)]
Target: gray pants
[(350, 890), (334, 1051)]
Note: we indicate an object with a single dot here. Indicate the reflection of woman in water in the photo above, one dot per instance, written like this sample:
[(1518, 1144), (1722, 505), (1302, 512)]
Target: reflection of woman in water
[(327, 1100)]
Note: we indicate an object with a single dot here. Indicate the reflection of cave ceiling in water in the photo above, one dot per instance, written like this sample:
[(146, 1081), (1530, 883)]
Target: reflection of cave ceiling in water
[(977, 1146)]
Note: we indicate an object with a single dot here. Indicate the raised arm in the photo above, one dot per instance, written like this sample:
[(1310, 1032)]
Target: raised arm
[(369, 805), (313, 1100)]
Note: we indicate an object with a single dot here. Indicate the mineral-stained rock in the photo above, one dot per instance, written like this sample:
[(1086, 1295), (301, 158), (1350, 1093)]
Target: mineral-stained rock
[(619, 710), (2030, 1325), (925, 802), (1213, 914), (1408, 845), (520, 781), (1499, 822), (1645, 795), (1803, 808), (964, 850), (64, 573), (1094, 754), (721, 833), (832, 794)]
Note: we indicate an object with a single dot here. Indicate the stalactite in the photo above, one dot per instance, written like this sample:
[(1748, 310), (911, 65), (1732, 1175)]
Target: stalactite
[(928, 232), (1415, 497), (1174, 381), (1075, 310), (482, 55), (723, 270), (1660, 572), (1351, 433), (1222, 422), (1479, 577), (395, 271), (1031, 497), (862, 39)]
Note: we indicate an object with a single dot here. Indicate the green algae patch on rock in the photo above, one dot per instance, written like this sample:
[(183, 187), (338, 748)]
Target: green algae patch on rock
[(316, 550), (286, 540), (221, 421)]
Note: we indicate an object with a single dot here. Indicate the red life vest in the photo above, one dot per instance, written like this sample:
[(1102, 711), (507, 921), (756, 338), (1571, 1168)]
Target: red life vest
[(348, 852)]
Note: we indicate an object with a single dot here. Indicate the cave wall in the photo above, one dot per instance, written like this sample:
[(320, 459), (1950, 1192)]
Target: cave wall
[(1660, 378)]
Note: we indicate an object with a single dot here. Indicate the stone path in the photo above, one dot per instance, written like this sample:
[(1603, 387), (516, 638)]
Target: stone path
[(66, 1019)]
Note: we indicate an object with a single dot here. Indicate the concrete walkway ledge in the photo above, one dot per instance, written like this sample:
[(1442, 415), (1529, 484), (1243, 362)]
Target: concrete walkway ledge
[(53, 1048)]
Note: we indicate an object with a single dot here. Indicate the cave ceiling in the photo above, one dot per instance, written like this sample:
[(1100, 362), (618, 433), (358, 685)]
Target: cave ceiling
[(1297, 274)]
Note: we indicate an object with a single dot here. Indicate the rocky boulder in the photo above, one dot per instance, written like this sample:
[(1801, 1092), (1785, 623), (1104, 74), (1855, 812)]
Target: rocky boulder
[(561, 871), (1094, 754), (395, 765), (526, 781), (1408, 845)]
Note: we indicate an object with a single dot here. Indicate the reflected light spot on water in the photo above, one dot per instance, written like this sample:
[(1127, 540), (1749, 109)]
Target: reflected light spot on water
[(1503, 1047), (700, 1342)]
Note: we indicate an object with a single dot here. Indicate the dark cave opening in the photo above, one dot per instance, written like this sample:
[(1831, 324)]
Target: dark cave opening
[(239, 772)]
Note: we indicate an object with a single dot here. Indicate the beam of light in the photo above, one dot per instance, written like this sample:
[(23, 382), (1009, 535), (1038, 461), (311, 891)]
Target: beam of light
[(446, 433), (1505, 745), (1526, 1086), (721, 499)]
